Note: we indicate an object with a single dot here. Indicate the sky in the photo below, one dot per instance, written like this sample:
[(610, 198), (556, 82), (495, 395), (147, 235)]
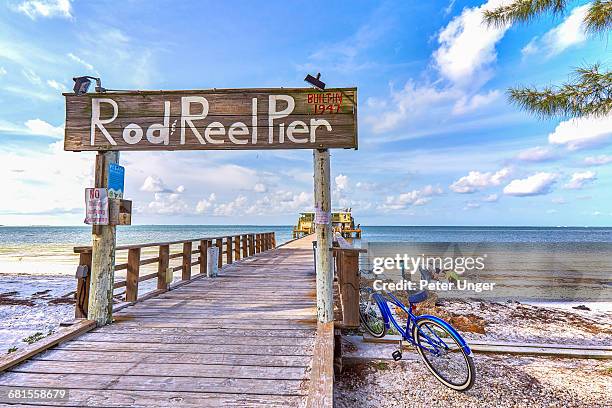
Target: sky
[(439, 142)]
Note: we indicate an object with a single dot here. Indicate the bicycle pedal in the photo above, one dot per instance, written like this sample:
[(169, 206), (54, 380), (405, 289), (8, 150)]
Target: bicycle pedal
[(397, 355)]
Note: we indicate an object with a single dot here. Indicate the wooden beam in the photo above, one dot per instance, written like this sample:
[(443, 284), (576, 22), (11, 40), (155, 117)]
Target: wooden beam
[(100, 308), (203, 256), (133, 271), (219, 244), (186, 273), (237, 247), (323, 231), (64, 334), (348, 279), (321, 392), (229, 249), (82, 291), (164, 261), (245, 246)]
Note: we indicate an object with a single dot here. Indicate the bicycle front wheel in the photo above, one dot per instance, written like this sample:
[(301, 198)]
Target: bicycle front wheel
[(442, 353), (371, 315)]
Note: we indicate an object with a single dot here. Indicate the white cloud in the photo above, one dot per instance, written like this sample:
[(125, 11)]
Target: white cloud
[(580, 179), (558, 200), (579, 133), (537, 184), (341, 182), (168, 204), (471, 206), (236, 207), (411, 198), (2, 71), (45, 8), (56, 85), (260, 188), (180, 189), (204, 205), (411, 102), (598, 160), (536, 154), (41, 128), (154, 184), (491, 198), (470, 104), (476, 180), (467, 45), (31, 76), (569, 32), (79, 60)]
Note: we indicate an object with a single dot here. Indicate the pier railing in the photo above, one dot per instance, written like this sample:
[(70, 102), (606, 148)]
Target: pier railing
[(231, 248), (346, 264)]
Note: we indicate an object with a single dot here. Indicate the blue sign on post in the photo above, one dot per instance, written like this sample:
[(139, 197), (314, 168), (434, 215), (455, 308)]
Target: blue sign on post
[(116, 177)]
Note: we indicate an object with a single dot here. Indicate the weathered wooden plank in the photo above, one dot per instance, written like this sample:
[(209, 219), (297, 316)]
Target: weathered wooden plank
[(209, 331), (191, 348), (300, 118), (321, 392), (164, 399), (156, 357), (162, 369), (147, 338), (62, 335), (246, 385)]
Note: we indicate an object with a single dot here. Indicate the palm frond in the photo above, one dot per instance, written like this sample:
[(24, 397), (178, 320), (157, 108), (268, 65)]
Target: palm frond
[(589, 94)]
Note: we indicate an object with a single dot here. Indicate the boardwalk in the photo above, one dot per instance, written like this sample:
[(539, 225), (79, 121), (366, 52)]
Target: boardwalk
[(245, 338)]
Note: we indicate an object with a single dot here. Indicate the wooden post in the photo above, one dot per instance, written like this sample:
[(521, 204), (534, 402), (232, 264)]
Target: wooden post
[(251, 244), (203, 256), (258, 243), (103, 253), (186, 275), (162, 268), (219, 244), (229, 249), (133, 271), (245, 246), (348, 278), (237, 248), (325, 274), (82, 292), (273, 240)]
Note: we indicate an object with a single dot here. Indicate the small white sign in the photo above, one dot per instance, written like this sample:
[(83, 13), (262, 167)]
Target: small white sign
[(96, 206), (322, 217)]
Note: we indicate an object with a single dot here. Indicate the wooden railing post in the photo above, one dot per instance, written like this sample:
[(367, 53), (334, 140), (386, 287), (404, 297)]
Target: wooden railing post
[(229, 249), (257, 243), (187, 248), (273, 240), (162, 268), (203, 256), (219, 244), (133, 271), (237, 247), (245, 246), (82, 291), (348, 279), (266, 241), (251, 238)]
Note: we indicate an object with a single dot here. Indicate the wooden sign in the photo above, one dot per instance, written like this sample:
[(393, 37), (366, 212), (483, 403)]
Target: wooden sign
[(225, 119)]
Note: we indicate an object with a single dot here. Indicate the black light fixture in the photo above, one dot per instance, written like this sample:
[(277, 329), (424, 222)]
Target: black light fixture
[(81, 84), (315, 81)]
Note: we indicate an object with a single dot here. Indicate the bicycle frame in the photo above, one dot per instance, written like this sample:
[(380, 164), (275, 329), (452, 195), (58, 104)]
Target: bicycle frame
[(437, 343)]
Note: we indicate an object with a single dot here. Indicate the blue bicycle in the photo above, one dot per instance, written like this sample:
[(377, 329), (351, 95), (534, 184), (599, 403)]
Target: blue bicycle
[(441, 347)]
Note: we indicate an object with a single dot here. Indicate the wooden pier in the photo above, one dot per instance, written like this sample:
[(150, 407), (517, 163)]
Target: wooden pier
[(248, 337)]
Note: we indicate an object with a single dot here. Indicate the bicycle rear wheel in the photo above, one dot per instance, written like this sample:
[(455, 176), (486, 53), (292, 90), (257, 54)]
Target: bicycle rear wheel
[(442, 353), (370, 314)]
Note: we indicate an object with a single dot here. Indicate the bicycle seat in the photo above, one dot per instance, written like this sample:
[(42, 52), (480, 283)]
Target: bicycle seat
[(417, 297)]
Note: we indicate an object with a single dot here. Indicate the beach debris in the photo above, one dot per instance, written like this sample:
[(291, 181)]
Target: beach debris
[(581, 307), (9, 298)]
